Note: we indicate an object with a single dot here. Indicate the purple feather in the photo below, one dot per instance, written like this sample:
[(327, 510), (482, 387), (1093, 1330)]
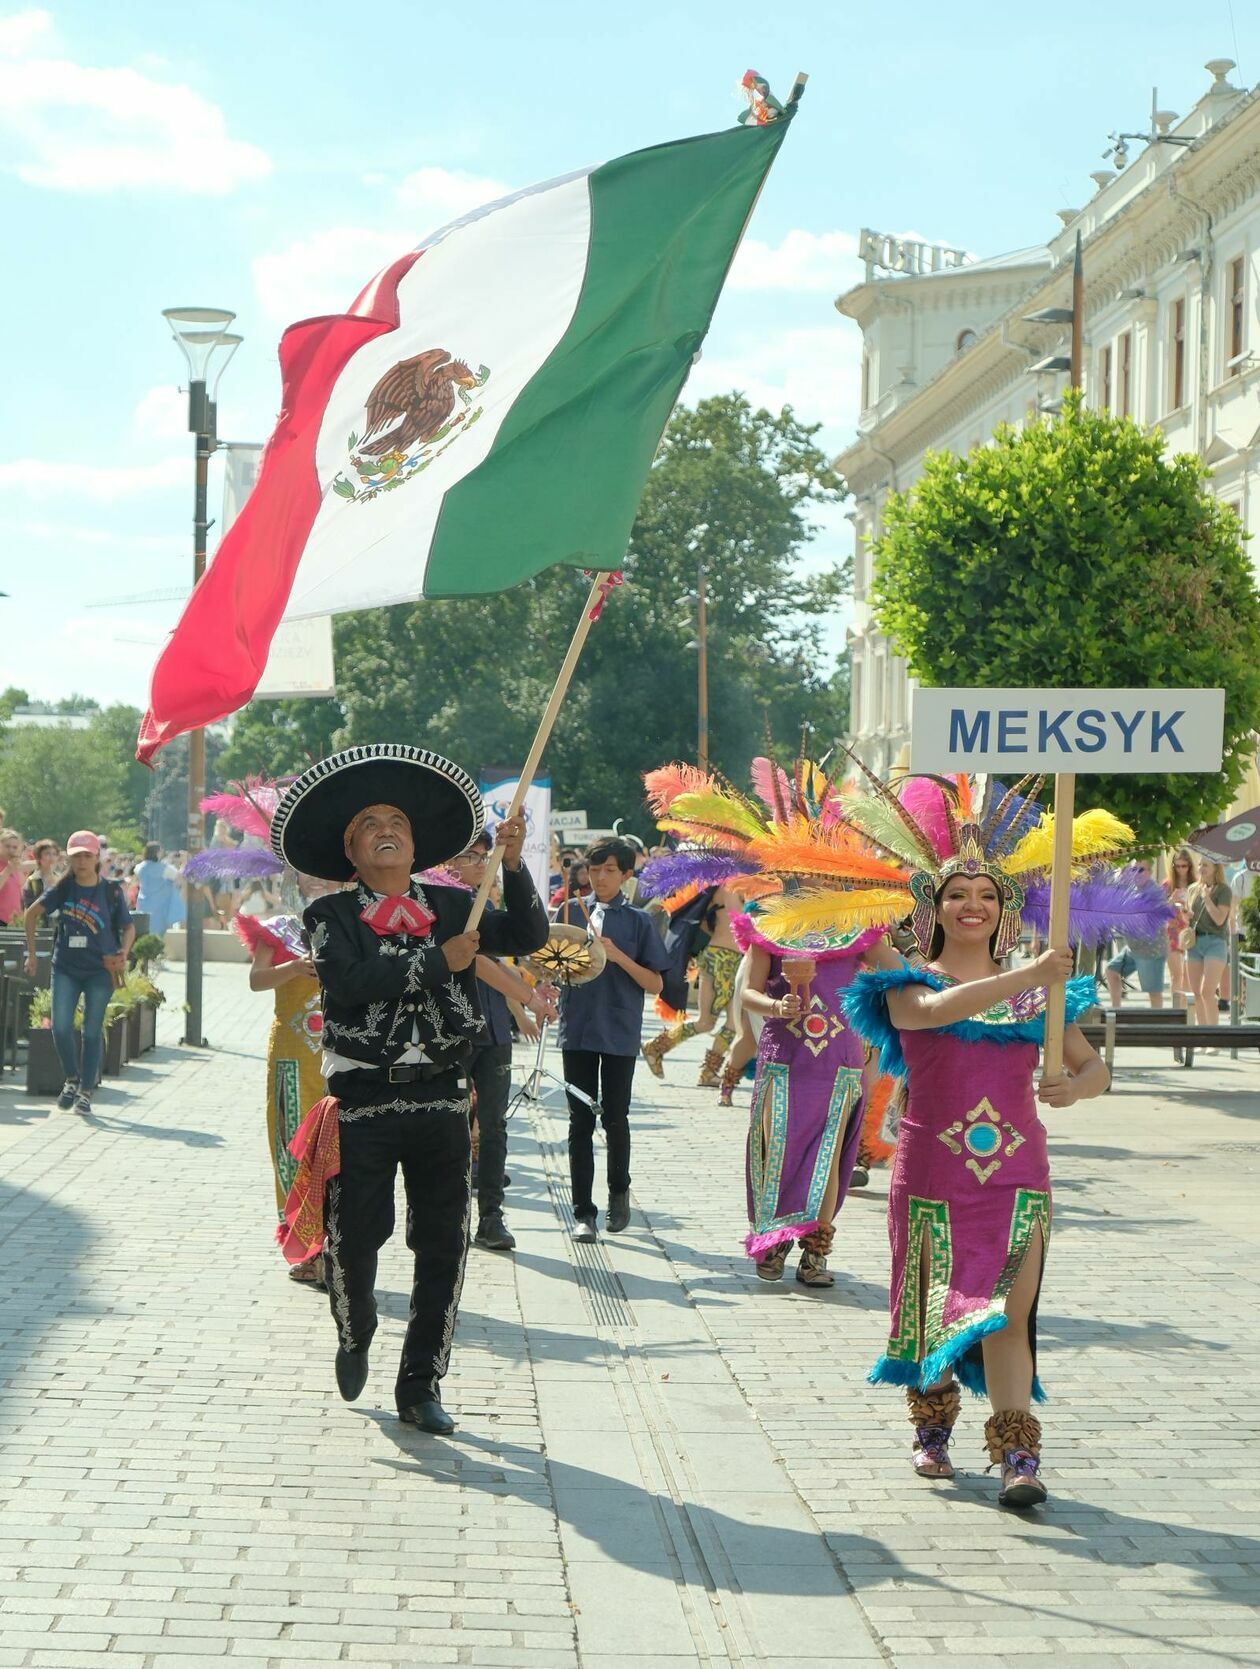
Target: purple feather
[(662, 876), (231, 863), (1109, 904)]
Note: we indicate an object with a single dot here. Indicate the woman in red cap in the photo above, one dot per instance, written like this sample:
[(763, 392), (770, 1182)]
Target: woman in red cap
[(94, 933)]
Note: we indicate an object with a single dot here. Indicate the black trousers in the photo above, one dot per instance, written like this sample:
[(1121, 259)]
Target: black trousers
[(607, 1078), (432, 1146), (492, 1077)]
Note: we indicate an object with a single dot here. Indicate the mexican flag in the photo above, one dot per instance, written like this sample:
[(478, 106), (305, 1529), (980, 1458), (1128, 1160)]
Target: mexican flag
[(489, 406)]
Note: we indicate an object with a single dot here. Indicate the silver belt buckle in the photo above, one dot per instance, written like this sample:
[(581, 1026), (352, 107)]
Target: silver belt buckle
[(400, 1070)]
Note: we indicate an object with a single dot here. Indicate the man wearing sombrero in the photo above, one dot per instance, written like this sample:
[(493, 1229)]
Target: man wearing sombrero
[(400, 1020)]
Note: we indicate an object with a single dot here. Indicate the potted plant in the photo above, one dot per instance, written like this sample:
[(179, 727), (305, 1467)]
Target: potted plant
[(148, 996), (148, 948), (43, 1069), (115, 1036)]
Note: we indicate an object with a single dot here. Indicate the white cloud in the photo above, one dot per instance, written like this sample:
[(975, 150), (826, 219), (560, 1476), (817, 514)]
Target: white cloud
[(96, 538), (161, 414), (432, 196), (325, 272), (816, 370), (37, 478), (82, 128), (820, 263), (22, 32)]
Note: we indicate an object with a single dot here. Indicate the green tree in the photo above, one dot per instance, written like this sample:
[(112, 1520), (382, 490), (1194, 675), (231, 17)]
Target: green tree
[(732, 488), (56, 780), (1074, 553), (115, 729)]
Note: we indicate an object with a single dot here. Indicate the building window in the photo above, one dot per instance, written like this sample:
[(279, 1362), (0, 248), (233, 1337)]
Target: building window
[(1126, 374), (1104, 379), (1237, 296), (964, 340), (1178, 354)]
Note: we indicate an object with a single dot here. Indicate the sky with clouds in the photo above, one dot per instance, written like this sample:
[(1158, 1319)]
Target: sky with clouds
[(270, 156)]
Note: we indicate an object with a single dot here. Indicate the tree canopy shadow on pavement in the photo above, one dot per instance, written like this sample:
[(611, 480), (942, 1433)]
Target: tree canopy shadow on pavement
[(154, 1132), (1157, 1337), (45, 1246)]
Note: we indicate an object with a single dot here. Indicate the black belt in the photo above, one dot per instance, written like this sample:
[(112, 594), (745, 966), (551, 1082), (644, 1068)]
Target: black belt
[(422, 1073)]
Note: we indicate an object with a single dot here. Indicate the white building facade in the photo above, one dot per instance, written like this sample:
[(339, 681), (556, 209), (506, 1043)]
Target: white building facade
[(1171, 338)]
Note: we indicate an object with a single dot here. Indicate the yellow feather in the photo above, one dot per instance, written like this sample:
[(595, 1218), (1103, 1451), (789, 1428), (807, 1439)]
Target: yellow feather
[(827, 909), (718, 810), (1095, 833)]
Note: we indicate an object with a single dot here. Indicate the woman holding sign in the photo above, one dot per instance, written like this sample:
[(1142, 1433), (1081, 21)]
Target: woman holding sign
[(970, 1202)]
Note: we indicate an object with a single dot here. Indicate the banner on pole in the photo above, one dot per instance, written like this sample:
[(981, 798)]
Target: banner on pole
[(498, 784), (1148, 732), (300, 660)]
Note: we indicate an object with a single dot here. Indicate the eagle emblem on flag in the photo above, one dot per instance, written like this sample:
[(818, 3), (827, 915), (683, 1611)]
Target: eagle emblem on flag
[(417, 409)]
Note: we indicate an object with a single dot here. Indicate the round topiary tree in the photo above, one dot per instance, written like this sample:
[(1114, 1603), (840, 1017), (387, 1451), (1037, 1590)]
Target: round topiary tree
[(1073, 553)]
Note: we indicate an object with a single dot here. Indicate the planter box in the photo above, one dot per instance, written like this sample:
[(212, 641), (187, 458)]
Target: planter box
[(43, 1069), (112, 1059), (132, 1026), (148, 1026)]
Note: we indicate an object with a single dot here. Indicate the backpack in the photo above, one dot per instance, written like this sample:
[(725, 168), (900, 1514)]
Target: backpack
[(685, 937)]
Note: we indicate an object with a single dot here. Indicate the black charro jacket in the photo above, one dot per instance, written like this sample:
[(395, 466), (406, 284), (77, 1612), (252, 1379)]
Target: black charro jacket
[(375, 990)]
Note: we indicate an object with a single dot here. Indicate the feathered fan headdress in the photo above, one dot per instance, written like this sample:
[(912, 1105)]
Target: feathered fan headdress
[(959, 825), (247, 807)]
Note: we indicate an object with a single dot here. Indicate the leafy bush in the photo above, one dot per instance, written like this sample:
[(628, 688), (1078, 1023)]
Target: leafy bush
[(1249, 922), (148, 948), (1073, 553)]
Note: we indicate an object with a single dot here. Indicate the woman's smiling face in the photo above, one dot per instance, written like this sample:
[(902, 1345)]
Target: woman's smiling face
[(968, 909)]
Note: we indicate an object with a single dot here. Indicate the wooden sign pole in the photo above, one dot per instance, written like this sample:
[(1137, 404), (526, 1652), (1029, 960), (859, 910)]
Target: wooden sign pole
[(1060, 883), (543, 734)]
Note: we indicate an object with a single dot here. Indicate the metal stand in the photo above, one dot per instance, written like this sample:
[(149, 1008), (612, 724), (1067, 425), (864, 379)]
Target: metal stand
[(529, 1090)]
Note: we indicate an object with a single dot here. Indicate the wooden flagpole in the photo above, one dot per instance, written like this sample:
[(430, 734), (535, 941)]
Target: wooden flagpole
[(1060, 884), (1065, 781), (546, 724)]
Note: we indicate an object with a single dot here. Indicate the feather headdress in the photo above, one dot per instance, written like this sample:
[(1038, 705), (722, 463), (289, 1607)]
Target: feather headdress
[(248, 807), (958, 825)]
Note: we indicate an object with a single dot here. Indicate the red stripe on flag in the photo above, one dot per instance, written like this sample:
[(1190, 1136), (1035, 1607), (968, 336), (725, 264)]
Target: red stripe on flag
[(218, 651)]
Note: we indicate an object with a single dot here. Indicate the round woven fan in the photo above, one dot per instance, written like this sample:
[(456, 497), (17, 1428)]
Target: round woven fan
[(570, 956)]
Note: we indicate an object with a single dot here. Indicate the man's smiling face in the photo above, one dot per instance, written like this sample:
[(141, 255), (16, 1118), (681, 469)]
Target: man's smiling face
[(381, 838)]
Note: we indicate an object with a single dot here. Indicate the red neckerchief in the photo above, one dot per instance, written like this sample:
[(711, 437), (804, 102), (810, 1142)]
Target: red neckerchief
[(399, 914)]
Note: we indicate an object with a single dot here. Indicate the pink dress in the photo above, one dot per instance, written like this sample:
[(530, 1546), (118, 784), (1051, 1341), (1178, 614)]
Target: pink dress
[(971, 1178)]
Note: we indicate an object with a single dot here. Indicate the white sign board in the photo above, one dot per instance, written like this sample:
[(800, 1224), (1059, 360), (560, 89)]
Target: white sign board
[(300, 661), (497, 789), (568, 819), (1087, 731)]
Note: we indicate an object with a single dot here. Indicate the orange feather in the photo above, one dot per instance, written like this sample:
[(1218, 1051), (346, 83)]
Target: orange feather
[(796, 850)]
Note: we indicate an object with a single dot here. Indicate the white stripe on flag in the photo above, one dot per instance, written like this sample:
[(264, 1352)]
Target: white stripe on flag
[(518, 273)]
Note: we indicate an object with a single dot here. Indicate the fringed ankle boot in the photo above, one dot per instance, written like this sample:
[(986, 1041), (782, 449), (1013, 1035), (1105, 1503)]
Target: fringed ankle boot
[(812, 1270), (655, 1052), (1013, 1439), (933, 1415), (711, 1067), (726, 1086)]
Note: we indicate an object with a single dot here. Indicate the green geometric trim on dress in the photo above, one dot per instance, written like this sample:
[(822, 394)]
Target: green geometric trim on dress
[(288, 1109), (766, 1167), (930, 1217)]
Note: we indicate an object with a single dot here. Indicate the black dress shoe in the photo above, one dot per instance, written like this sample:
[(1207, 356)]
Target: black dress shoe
[(618, 1212), (492, 1234), (352, 1372), (584, 1229), (429, 1415)]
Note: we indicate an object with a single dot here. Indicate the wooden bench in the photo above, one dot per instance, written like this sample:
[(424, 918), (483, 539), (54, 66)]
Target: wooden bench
[(1162, 1028)]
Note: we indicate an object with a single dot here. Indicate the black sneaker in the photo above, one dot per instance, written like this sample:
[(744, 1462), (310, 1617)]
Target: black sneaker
[(618, 1212), (584, 1230), (492, 1234), (82, 1101), (68, 1092)]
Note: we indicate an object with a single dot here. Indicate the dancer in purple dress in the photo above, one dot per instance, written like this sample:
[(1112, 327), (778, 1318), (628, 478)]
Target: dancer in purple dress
[(805, 1121), (969, 1206)]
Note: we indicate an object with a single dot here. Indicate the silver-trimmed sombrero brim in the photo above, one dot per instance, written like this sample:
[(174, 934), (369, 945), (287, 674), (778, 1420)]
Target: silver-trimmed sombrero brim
[(439, 799)]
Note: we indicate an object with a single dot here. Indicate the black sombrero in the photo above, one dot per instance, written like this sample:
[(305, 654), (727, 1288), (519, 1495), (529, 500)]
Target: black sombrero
[(441, 802)]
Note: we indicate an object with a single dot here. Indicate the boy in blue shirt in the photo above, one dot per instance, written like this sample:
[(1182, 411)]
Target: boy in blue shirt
[(601, 1026)]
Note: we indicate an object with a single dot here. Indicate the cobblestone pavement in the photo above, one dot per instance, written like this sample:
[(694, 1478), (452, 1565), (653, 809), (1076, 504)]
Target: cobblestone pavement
[(660, 1460)]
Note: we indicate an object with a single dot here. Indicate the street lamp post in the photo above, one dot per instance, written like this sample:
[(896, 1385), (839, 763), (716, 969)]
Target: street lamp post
[(202, 335), (702, 661)]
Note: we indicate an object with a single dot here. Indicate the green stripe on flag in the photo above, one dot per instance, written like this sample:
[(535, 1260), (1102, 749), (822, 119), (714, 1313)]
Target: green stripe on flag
[(563, 479)]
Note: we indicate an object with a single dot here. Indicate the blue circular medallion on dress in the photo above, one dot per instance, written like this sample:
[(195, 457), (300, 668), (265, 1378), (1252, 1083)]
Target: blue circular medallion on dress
[(983, 1139)]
